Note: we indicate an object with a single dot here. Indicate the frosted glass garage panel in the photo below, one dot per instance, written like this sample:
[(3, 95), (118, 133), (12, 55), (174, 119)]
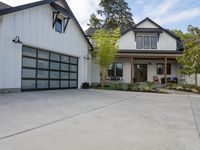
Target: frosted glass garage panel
[(65, 67), (42, 74), (54, 75), (73, 60), (28, 84), (43, 54), (64, 75), (73, 84), (29, 62), (28, 73), (27, 51), (42, 64), (42, 84), (64, 84), (54, 66), (65, 59), (74, 68), (55, 57), (54, 84)]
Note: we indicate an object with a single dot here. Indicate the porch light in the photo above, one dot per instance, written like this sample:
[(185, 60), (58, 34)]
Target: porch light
[(87, 57)]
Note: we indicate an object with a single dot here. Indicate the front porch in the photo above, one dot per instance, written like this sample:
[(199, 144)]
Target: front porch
[(149, 67)]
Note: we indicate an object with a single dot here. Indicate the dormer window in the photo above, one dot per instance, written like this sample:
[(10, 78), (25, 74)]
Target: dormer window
[(58, 25), (146, 42), (154, 42)]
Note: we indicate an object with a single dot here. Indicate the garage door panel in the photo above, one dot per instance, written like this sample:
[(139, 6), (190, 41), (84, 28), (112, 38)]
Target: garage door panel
[(43, 69)]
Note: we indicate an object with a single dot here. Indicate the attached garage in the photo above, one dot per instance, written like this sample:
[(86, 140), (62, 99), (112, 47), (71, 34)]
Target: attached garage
[(42, 70), (42, 47)]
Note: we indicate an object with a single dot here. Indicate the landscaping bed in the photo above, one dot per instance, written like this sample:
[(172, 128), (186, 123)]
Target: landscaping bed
[(134, 87), (183, 87)]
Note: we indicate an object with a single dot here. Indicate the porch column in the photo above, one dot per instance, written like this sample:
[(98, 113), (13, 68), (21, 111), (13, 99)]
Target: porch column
[(165, 70), (132, 69)]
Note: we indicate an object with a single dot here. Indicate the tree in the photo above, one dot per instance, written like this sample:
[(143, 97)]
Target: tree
[(94, 22), (190, 60), (116, 14), (105, 50)]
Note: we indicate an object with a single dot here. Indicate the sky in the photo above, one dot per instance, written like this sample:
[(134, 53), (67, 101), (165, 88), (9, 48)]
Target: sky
[(170, 14)]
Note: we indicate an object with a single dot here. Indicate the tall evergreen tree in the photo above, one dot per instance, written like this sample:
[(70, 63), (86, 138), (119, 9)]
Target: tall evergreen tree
[(116, 13), (94, 22)]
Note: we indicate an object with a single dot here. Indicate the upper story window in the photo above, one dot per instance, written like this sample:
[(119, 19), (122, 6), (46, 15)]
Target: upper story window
[(146, 42), (58, 25), (139, 42), (153, 42)]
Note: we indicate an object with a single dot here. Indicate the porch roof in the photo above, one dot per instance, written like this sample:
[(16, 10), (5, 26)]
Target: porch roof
[(150, 53)]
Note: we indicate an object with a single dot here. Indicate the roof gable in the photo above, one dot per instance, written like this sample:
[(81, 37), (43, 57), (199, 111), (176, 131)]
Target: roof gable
[(148, 24), (4, 6), (66, 9)]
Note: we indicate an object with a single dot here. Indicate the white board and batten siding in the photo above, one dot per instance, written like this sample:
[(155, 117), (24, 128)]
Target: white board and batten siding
[(34, 27), (166, 42)]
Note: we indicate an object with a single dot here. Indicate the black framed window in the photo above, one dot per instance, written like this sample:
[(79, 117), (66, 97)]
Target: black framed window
[(139, 42), (43, 69), (115, 70), (58, 25), (154, 42), (160, 69), (146, 42)]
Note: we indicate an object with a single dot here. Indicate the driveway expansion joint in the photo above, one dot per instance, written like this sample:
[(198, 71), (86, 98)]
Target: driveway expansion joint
[(70, 117)]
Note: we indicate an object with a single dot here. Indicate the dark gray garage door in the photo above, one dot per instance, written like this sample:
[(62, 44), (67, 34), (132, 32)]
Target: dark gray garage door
[(44, 70)]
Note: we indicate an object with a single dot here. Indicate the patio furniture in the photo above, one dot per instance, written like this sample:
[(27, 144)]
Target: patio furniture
[(156, 79)]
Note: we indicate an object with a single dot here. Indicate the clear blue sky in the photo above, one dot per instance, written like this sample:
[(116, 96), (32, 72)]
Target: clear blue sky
[(172, 14)]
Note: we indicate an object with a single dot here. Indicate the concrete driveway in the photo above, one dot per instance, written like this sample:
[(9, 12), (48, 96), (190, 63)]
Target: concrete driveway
[(99, 120)]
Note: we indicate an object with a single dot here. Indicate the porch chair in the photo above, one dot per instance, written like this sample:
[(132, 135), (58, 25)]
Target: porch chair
[(156, 79)]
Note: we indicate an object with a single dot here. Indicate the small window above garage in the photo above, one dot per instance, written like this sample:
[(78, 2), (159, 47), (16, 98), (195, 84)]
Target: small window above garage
[(58, 25)]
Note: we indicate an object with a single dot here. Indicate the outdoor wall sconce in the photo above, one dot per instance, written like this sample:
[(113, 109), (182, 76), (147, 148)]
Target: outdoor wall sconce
[(87, 57), (17, 40), (150, 63)]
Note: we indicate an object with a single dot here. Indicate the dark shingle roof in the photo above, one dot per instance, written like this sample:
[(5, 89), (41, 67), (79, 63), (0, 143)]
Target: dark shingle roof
[(4, 6)]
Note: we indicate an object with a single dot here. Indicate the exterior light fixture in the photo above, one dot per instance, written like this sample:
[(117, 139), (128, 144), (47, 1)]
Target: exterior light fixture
[(17, 40), (87, 57)]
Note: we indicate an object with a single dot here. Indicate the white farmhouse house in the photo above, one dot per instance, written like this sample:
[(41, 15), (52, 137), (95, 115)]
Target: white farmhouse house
[(42, 46), (147, 52)]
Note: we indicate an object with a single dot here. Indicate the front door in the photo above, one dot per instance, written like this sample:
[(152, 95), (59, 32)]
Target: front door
[(140, 72)]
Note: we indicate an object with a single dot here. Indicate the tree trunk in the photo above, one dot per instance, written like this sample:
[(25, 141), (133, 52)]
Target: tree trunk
[(103, 76), (196, 80)]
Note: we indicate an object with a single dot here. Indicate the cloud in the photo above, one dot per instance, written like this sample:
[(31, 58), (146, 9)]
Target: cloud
[(181, 16), (156, 10), (83, 9)]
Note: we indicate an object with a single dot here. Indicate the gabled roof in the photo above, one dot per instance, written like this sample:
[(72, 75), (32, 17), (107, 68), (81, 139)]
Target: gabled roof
[(159, 27), (34, 4), (4, 6)]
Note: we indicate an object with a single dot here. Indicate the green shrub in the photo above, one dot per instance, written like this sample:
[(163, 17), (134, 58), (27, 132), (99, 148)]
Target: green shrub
[(178, 87), (151, 85), (134, 87), (123, 87), (194, 90)]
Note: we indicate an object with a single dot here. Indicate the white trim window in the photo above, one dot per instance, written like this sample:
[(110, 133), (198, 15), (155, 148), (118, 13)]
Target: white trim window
[(146, 42), (115, 71)]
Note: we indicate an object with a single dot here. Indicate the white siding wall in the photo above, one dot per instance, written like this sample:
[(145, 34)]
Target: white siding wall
[(147, 24), (34, 27)]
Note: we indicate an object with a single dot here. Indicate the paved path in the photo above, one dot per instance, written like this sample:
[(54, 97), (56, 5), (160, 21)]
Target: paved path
[(99, 120)]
